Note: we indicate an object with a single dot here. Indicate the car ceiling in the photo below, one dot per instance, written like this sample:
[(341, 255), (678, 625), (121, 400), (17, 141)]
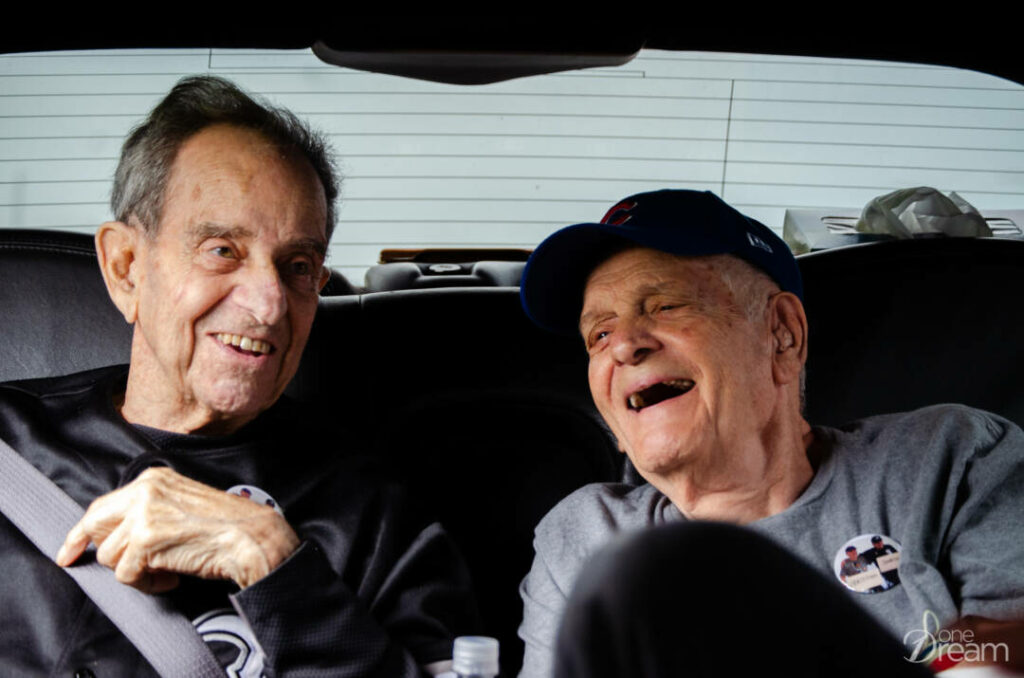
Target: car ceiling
[(456, 49)]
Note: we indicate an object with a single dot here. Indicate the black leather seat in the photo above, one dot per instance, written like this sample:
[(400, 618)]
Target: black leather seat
[(487, 418), (902, 324), (408, 275), (57, 317)]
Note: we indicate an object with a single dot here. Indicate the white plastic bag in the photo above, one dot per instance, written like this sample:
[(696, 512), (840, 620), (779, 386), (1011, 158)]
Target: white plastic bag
[(923, 210)]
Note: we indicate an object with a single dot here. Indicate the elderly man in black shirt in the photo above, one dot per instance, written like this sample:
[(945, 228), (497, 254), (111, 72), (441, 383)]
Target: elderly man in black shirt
[(204, 485)]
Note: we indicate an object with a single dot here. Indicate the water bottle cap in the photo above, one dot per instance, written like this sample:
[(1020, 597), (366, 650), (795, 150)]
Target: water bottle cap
[(475, 655)]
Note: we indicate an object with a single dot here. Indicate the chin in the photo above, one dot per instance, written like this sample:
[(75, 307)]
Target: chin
[(660, 459), (647, 463), (235, 401)]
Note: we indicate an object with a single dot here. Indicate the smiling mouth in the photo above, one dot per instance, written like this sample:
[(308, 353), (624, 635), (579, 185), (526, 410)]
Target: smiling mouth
[(245, 344), (656, 393)]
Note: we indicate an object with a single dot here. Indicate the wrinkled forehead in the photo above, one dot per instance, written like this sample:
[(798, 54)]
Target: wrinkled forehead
[(639, 269), (224, 164), (228, 149)]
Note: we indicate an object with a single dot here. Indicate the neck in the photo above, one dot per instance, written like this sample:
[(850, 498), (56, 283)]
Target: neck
[(766, 475)]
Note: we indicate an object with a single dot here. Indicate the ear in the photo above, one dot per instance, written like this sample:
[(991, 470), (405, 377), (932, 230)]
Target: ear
[(789, 335), (325, 275), (117, 248)]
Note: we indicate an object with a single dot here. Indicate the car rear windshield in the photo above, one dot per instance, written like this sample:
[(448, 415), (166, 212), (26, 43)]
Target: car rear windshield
[(503, 165)]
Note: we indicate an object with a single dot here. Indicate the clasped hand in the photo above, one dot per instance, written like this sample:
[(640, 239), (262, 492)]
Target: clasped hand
[(163, 524)]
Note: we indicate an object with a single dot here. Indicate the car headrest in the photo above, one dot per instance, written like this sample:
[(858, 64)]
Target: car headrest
[(57, 316), (903, 324), (338, 285), (407, 275)]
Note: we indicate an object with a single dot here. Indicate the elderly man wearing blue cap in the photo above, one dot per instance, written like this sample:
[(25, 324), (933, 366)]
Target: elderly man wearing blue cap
[(692, 316)]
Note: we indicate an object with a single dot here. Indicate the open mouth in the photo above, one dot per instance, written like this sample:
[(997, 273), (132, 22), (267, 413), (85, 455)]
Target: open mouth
[(656, 393), (244, 344)]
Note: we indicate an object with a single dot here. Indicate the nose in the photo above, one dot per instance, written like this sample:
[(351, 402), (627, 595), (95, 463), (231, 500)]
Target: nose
[(632, 342), (262, 293)]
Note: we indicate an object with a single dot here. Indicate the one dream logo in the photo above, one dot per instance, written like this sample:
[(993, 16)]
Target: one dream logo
[(942, 648)]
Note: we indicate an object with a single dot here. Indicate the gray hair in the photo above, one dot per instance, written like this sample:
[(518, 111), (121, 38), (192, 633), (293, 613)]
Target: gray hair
[(751, 289), (192, 105)]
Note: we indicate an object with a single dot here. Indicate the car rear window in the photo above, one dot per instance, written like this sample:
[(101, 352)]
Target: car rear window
[(503, 165)]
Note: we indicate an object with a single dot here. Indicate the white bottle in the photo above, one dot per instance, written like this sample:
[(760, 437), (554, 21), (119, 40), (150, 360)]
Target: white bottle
[(475, 657)]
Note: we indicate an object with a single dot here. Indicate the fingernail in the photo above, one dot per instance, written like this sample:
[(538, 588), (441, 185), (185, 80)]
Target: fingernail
[(61, 555)]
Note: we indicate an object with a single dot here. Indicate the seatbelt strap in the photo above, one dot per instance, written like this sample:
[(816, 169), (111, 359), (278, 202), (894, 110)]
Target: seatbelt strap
[(45, 513)]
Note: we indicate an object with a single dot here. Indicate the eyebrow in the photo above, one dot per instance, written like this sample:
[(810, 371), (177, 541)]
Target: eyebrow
[(318, 246), (687, 296), (590, 318), (208, 229), (585, 318)]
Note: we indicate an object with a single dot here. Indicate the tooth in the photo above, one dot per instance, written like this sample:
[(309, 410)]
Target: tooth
[(245, 343), (636, 401), (680, 383)]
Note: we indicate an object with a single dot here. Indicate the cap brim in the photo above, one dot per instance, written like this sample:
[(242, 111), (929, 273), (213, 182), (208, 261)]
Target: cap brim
[(553, 279)]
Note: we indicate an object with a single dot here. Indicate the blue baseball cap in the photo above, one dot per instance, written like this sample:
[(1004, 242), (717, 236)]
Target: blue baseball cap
[(683, 222)]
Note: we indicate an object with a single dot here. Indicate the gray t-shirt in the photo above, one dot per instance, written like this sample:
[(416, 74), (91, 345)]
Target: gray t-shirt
[(946, 483)]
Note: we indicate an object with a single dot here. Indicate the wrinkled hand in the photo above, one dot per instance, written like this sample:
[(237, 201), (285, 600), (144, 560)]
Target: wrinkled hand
[(163, 524)]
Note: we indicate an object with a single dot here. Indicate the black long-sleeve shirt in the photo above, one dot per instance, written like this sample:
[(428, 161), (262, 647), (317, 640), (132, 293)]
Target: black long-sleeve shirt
[(373, 590)]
